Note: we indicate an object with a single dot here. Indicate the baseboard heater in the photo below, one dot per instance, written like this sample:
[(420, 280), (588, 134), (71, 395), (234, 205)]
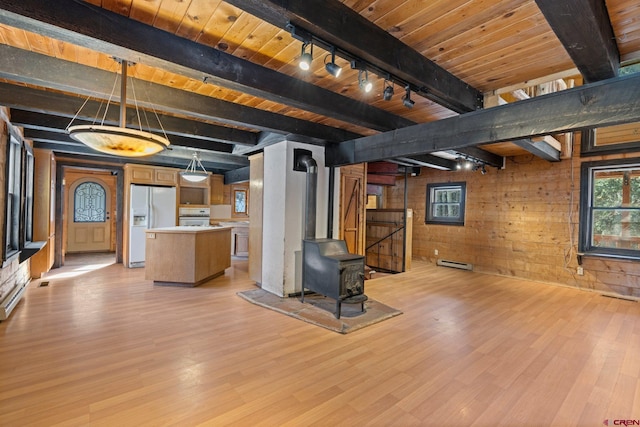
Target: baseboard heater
[(9, 303), (454, 264)]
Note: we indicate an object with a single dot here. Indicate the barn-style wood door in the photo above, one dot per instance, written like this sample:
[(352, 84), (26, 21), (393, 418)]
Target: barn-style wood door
[(352, 207)]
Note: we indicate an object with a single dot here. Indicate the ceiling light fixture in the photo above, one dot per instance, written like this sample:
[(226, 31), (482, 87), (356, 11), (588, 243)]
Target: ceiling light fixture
[(191, 173), (388, 92), (406, 99), (306, 58), (363, 79), (331, 67), (119, 140)]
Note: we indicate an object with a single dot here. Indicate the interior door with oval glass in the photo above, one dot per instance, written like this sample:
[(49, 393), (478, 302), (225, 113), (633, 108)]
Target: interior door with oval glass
[(89, 225)]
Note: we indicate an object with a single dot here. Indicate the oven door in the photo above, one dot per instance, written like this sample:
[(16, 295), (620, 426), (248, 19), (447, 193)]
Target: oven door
[(193, 221)]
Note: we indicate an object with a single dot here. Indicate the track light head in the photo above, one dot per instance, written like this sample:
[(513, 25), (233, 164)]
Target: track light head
[(331, 67), (387, 94), (363, 79), (305, 58), (406, 99)]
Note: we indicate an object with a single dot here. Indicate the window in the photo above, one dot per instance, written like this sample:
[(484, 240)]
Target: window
[(19, 200), (610, 208), (89, 203), (240, 197), (14, 185), (445, 203)]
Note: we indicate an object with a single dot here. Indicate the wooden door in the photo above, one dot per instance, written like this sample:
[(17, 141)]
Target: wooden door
[(88, 219), (352, 207)]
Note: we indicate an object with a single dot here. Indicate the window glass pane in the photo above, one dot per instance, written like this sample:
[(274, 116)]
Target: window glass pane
[(607, 190), (14, 188), (240, 201), (616, 228), (445, 203), (635, 190), (89, 203)]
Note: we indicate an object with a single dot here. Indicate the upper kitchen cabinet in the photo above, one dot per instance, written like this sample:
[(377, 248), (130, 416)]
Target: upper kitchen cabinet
[(194, 193), (216, 193), (151, 175)]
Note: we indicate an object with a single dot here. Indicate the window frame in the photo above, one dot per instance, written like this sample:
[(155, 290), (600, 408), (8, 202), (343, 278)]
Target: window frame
[(585, 229), (589, 147), (19, 183), (458, 220)]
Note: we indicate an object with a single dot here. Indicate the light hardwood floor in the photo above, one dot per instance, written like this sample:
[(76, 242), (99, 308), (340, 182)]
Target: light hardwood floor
[(107, 348)]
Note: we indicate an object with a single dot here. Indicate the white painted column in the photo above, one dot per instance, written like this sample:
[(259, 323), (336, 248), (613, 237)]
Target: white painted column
[(283, 213)]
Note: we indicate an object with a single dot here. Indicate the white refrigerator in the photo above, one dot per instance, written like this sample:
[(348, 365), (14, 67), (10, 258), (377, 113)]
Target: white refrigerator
[(150, 207)]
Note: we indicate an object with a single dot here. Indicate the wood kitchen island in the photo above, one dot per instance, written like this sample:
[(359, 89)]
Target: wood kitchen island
[(186, 256)]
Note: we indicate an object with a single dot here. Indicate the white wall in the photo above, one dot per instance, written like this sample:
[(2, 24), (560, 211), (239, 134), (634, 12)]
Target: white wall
[(283, 208)]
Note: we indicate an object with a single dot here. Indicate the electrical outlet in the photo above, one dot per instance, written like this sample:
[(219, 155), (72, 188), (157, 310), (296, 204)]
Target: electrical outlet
[(580, 271), (435, 252)]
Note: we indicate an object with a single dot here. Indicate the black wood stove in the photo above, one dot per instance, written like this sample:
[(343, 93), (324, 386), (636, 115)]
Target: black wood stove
[(327, 266), (330, 270)]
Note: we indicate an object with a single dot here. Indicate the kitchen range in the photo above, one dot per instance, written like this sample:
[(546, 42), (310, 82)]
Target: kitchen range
[(193, 216)]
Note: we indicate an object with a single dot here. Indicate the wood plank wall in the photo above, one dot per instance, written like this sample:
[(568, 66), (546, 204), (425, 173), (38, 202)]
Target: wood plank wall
[(521, 221)]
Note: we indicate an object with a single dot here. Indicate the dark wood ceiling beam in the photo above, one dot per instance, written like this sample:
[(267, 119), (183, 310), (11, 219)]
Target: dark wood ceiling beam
[(482, 155), (604, 103), (99, 29), (540, 149), (584, 28), (236, 175), (84, 154), (180, 141), (346, 29), (431, 161), (63, 143), (52, 73), (171, 125)]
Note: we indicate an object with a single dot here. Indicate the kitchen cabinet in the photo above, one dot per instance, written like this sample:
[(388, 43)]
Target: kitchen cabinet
[(186, 256), (150, 175), (194, 193), (216, 194), (239, 237), (240, 241)]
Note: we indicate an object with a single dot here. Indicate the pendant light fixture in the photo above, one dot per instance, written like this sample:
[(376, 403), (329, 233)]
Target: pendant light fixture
[(119, 140), (192, 173)]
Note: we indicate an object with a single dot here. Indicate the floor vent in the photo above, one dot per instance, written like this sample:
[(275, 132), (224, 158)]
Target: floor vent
[(45, 283), (454, 264)]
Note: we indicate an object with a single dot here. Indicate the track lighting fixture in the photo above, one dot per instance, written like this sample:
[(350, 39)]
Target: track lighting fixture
[(387, 94), (331, 67), (363, 79), (406, 99), (306, 58)]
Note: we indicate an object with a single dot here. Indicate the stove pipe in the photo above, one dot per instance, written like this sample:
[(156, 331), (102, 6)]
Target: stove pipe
[(306, 163)]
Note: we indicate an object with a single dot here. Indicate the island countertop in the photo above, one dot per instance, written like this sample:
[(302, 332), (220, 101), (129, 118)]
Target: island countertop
[(188, 229), (186, 255)]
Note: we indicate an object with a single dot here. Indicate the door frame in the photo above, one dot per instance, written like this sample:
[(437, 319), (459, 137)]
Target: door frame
[(62, 165), (70, 207)]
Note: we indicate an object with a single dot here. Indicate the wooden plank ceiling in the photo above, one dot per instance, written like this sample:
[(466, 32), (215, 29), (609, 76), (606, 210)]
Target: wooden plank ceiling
[(225, 75)]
